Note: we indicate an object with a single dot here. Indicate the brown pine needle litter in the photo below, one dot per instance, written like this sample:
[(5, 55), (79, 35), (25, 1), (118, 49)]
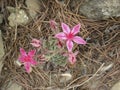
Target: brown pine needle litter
[(102, 49)]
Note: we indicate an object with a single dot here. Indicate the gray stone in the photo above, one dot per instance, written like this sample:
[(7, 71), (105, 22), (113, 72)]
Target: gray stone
[(33, 6), (1, 18), (100, 9), (1, 51), (17, 17), (116, 86)]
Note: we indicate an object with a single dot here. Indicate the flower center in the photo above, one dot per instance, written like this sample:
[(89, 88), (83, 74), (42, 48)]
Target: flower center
[(27, 59), (70, 36)]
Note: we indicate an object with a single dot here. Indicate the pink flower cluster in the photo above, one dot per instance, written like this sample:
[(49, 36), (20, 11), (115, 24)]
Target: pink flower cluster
[(69, 35), (27, 59)]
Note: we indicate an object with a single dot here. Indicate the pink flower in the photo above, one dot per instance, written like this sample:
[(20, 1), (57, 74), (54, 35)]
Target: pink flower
[(27, 59), (53, 24), (72, 57), (69, 36), (35, 43)]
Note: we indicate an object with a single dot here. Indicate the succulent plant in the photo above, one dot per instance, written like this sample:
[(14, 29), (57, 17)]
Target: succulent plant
[(54, 53)]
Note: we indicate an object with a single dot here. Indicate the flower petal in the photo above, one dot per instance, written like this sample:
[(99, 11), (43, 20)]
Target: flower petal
[(65, 28), (31, 53), (21, 59), (33, 62), (35, 44), (28, 67), (79, 40), (61, 35), (22, 51), (76, 29), (72, 59), (53, 24), (35, 40), (76, 53), (69, 44)]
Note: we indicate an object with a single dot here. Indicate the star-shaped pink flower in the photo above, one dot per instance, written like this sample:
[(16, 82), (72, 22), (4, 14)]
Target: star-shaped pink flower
[(69, 36), (27, 59)]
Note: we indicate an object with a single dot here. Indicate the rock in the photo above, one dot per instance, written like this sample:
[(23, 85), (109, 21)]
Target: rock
[(33, 7), (65, 77), (1, 51), (100, 9), (116, 86), (11, 9), (12, 86), (106, 68), (1, 18), (18, 16)]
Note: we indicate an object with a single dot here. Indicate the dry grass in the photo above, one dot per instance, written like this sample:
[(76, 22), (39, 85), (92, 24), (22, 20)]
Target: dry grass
[(102, 49)]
